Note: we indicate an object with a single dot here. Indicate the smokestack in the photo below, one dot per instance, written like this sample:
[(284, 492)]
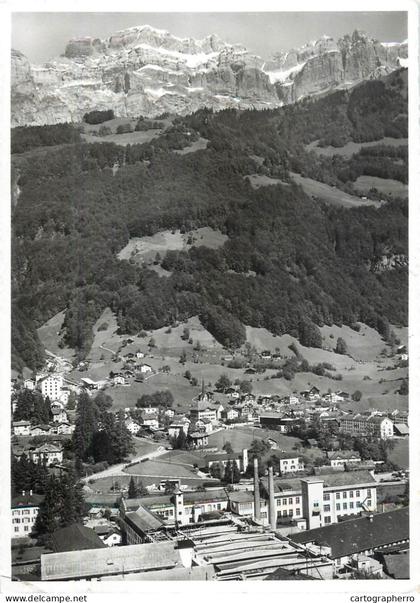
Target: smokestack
[(257, 503), (272, 511)]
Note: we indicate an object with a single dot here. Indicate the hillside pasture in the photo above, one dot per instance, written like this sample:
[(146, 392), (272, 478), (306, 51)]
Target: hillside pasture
[(385, 186), (124, 139), (258, 180), (363, 345), (144, 249), (330, 194), (50, 335), (350, 148), (197, 145)]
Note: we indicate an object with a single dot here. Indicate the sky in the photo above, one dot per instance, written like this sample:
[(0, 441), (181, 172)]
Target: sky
[(43, 36)]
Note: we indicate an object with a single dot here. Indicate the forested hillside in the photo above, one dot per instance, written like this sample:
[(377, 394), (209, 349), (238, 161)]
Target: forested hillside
[(289, 259)]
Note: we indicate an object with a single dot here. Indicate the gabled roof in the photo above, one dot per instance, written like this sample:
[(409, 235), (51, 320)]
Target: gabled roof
[(343, 455), (361, 534), (75, 537), (143, 520), (27, 500)]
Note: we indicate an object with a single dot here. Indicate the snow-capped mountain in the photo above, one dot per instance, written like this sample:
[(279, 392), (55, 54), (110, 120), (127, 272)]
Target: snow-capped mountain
[(146, 71)]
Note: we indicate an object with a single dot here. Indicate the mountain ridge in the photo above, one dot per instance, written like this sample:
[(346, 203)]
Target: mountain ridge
[(146, 71)]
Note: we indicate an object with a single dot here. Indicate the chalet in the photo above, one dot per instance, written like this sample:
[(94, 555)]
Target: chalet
[(59, 415), (150, 410), (48, 453), (273, 419), (132, 426), (21, 428), (289, 463), (40, 430), (139, 354), (222, 458), (29, 384), (198, 439), (63, 428), (229, 414), (341, 458), (118, 379), (145, 369), (89, 384), (266, 354), (110, 535), (151, 421), (175, 427)]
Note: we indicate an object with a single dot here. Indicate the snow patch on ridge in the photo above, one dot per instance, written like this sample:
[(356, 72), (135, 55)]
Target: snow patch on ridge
[(280, 75)]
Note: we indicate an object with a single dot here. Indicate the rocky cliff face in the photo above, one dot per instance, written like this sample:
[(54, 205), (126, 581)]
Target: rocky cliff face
[(145, 71)]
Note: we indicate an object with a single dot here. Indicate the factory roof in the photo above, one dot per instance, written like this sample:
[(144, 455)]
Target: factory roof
[(109, 561), (361, 534), (241, 497), (143, 520)]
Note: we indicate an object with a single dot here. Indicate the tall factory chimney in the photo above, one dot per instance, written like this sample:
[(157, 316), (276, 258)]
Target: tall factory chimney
[(257, 502), (272, 511)]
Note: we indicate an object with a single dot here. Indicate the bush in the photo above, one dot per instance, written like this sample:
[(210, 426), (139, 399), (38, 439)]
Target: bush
[(98, 117)]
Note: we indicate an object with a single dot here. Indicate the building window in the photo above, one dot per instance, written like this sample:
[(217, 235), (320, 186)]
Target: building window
[(26, 528), (290, 501), (327, 520), (357, 493), (344, 506), (337, 506), (284, 501), (351, 493), (351, 505), (290, 512), (358, 504), (326, 497), (278, 502), (327, 508), (297, 500), (297, 511), (344, 494), (16, 529), (369, 492), (337, 495), (369, 502), (284, 513)]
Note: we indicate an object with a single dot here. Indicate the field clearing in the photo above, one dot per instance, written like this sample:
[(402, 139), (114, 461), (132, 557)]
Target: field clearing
[(262, 339), (258, 180), (197, 145), (350, 148), (242, 437), (124, 139), (161, 469), (329, 194), (49, 336), (100, 337), (365, 345), (144, 249), (386, 186), (400, 454), (125, 397), (167, 342)]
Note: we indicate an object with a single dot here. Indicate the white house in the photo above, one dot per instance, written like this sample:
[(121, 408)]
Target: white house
[(51, 386), (150, 410), (139, 354), (132, 426), (341, 458), (21, 428), (145, 369), (49, 452), (25, 509), (110, 535), (119, 379), (59, 415), (151, 421), (40, 430), (29, 384), (290, 463)]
